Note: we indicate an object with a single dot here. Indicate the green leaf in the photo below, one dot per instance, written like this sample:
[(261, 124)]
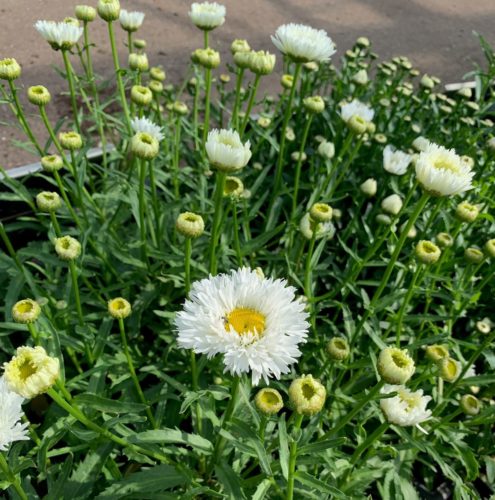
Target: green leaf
[(230, 481), (108, 405), (167, 436), (319, 446), (284, 446), (312, 482)]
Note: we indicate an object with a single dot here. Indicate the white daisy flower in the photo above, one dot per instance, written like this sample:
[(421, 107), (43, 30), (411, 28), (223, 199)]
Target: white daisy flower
[(356, 108), (59, 35), (226, 151), (395, 161), (307, 226), (131, 21), (442, 172), (407, 408), (256, 323), (11, 413), (207, 16), (147, 126), (303, 43)]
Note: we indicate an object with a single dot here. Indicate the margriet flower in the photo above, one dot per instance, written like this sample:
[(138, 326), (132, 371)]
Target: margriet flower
[(26, 311), (67, 248), (131, 21), (9, 69), (269, 401), (406, 408), (356, 108), (11, 428), (395, 161), (59, 35), (256, 323), (226, 151), (307, 395), (308, 227), (207, 15), (189, 224), (148, 127)]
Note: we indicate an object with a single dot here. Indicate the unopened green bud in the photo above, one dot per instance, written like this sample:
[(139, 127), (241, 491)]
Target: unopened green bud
[(51, 163), (139, 43), (338, 349), (224, 78), (314, 104), (444, 240), (48, 201), (9, 69), (242, 59), (466, 212), (142, 96), (269, 401), (70, 140), (38, 95), (190, 225), (490, 248), (138, 62), (392, 204), (119, 308), (484, 326), (395, 366), (470, 404), (427, 252), (85, 13), (362, 41), (157, 73), (426, 82), (449, 369), (180, 108), (287, 81), (109, 10), (321, 212), (436, 352), (144, 146), (357, 124), (369, 187), (234, 187), (240, 46), (208, 58), (307, 395), (155, 86), (474, 255), (67, 248), (261, 62), (26, 311)]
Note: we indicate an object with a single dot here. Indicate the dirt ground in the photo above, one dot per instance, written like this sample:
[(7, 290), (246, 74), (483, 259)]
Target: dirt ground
[(437, 35)]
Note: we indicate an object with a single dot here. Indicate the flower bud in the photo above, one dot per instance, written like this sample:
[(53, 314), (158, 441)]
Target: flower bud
[(109, 10), (85, 13), (287, 81), (427, 252), (392, 204), (362, 41), (338, 349), (473, 255), (208, 58), (269, 401), (289, 134), (26, 311), (484, 326), (420, 143), (444, 240), (491, 144), (264, 121), (380, 138), (119, 308), (72, 21), (48, 202), (234, 187), (180, 108), (9, 69), (142, 96), (369, 187), (383, 220), (326, 149), (261, 62), (144, 146), (224, 78), (370, 128), (489, 248), (299, 156), (139, 43), (321, 212), (470, 404), (361, 77), (412, 233), (70, 140), (67, 248), (157, 73), (242, 59), (190, 225), (395, 366), (426, 82), (240, 46), (466, 212), (311, 66), (314, 104), (449, 369), (307, 395), (436, 352), (474, 106), (38, 95), (138, 62), (155, 86), (357, 124)]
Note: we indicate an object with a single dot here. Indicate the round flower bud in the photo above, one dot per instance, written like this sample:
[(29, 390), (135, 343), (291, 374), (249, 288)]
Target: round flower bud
[(26, 311), (287, 81), (85, 13), (337, 214), (261, 62), (234, 187), (139, 43), (473, 105), (70, 140), (412, 233), (119, 308), (9, 69), (224, 78), (51, 163), (208, 58), (361, 77), (466, 212), (490, 248), (142, 96), (138, 62), (484, 326), (470, 404), (190, 225), (38, 95), (392, 204), (491, 144), (449, 369), (71, 20), (370, 128), (307, 395), (314, 104), (31, 371), (289, 134), (180, 108), (357, 124), (145, 145), (436, 352), (380, 138), (473, 255), (109, 10), (321, 212), (426, 82), (444, 240), (395, 366), (311, 66), (420, 144), (362, 41), (240, 46), (48, 202), (427, 252), (157, 73), (338, 349), (299, 156), (269, 401), (369, 187), (468, 161), (264, 121), (155, 86), (383, 220), (67, 248), (326, 149)]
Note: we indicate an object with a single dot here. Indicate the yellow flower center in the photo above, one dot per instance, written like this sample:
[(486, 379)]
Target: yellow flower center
[(26, 369), (444, 164), (118, 305), (269, 398), (24, 307), (228, 141), (244, 320), (399, 359), (410, 399), (308, 390)]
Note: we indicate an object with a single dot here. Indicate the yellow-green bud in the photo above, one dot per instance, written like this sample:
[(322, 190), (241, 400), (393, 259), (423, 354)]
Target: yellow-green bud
[(392, 204), (380, 138), (67, 248), (51, 163), (38, 95), (70, 140), (338, 349), (426, 82), (138, 62), (119, 308), (326, 149), (361, 77), (490, 248), (287, 81), (307, 395), (9, 69), (474, 255), (362, 41), (314, 104), (26, 311), (395, 366), (427, 252), (470, 404), (48, 201), (371, 128), (144, 146), (311, 66), (449, 369), (414, 73), (109, 10), (299, 156), (357, 124), (234, 187), (444, 240), (369, 187), (224, 78), (473, 105), (242, 59), (208, 58), (190, 225), (289, 134), (180, 108), (139, 43), (240, 46), (466, 212), (269, 401), (142, 96), (156, 86), (321, 212), (383, 219), (157, 73), (85, 13), (261, 62), (436, 352), (484, 326), (264, 121)]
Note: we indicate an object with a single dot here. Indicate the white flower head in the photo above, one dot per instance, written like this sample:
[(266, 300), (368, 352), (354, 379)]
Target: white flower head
[(303, 43), (356, 108), (406, 408), (147, 126), (442, 172), (207, 16), (395, 161), (131, 21), (226, 151), (256, 323), (59, 35), (11, 413)]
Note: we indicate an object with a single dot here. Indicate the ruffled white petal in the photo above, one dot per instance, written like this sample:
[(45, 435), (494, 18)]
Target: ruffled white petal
[(59, 33), (207, 15), (11, 413), (146, 125), (395, 161), (131, 20), (406, 408), (356, 108), (226, 151)]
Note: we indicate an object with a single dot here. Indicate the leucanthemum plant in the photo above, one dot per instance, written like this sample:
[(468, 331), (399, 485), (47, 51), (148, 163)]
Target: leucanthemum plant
[(246, 295)]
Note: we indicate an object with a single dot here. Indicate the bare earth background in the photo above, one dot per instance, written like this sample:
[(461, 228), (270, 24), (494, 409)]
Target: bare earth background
[(437, 35)]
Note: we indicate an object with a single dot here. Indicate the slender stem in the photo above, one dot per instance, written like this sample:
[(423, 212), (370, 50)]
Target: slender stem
[(250, 105), (78, 185), (11, 477), (70, 79), (405, 303), (308, 291), (219, 188), (129, 42), (206, 124), (195, 112), (293, 459), (205, 38), (55, 224), (34, 333), (154, 196), (187, 265), (68, 204), (237, 242), (142, 225), (178, 126), (235, 115)]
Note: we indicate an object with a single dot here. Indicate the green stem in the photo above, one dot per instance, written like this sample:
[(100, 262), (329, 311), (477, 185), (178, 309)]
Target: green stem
[(308, 290), (250, 105), (235, 115), (237, 242), (219, 188), (405, 303), (61, 188), (293, 459), (195, 112), (206, 124), (178, 125), (142, 225), (55, 224), (154, 196), (205, 38), (187, 265), (70, 79), (129, 42), (34, 333), (11, 477)]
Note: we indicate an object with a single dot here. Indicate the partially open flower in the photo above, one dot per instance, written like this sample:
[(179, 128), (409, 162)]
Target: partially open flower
[(444, 240), (436, 352), (31, 371), (314, 104), (369, 187), (147, 126), (466, 212), (307, 395), (11, 415), (395, 366), (131, 21), (157, 73), (67, 248), (321, 212), (234, 187), (474, 255), (449, 369), (338, 348), (85, 13), (142, 96), (240, 46), (48, 201), (207, 16), (226, 151), (261, 62), (427, 252), (26, 311), (208, 58), (145, 145), (119, 308), (38, 95), (70, 140), (9, 69), (60, 36), (269, 401), (190, 225), (138, 62), (109, 10), (357, 115), (407, 408), (470, 404), (395, 161)]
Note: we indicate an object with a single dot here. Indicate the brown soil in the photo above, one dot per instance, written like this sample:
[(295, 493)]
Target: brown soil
[(437, 35)]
